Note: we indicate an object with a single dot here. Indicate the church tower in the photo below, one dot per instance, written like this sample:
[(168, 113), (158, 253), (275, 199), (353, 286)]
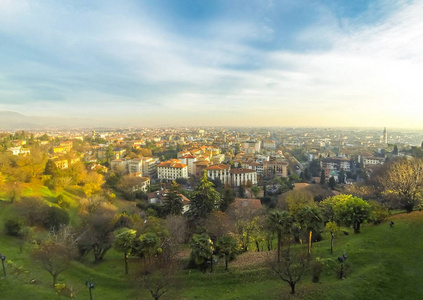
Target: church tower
[(385, 136)]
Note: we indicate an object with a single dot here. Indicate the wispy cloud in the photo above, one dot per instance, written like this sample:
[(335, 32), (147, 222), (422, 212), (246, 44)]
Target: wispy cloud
[(257, 65)]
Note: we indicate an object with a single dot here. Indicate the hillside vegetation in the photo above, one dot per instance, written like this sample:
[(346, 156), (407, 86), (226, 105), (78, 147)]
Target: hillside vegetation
[(383, 263)]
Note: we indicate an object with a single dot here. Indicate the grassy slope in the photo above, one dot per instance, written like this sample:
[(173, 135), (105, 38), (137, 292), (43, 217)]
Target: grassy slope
[(385, 264)]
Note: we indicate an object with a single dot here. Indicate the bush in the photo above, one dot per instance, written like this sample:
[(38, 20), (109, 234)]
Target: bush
[(379, 212), (141, 205), (14, 227), (55, 217), (316, 268)]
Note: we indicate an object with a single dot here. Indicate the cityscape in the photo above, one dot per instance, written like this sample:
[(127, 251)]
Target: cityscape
[(211, 149)]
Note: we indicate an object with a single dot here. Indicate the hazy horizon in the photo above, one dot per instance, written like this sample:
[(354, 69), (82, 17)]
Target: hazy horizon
[(296, 63)]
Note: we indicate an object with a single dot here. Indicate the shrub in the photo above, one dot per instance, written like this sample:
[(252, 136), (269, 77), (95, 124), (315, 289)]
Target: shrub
[(14, 227), (55, 217), (379, 212)]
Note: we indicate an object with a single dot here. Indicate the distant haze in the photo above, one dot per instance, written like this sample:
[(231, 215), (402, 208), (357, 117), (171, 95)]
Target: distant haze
[(227, 63)]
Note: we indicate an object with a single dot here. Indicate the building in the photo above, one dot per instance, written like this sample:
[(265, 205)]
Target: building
[(372, 161), (243, 176), (275, 168), (61, 163), (63, 147), (149, 166), (135, 165), (269, 144), (219, 171), (335, 164), (189, 160), (172, 169)]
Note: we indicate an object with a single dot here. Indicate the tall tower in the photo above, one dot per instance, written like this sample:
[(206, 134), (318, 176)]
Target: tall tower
[(385, 136)]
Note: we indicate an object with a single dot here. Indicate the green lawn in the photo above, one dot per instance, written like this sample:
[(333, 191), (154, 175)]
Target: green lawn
[(385, 264)]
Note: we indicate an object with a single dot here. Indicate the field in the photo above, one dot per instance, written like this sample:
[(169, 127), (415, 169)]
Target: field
[(385, 263)]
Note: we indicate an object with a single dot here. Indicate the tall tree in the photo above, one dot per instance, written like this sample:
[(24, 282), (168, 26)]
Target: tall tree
[(281, 223), (227, 248), (322, 177), (173, 200), (202, 249), (310, 220), (204, 200), (227, 199), (124, 242)]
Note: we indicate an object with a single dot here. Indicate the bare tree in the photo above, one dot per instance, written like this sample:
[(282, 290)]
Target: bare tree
[(291, 267), (55, 254)]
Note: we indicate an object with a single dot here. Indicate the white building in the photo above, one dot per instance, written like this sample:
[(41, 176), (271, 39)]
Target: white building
[(220, 171), (243, 176), (172, 169)]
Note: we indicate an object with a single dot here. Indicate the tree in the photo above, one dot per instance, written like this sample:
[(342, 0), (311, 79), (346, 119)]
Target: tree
[(32, 209), (55, 217), (227, 199), (241, 192), (332, 182), (173, 200), (309, 219), (350, 211), (314, 167), (124, 242), (55, 254), (322, 177), (281, 223), (98, 238), (402, 182), (204, 200), (202, 249), (92, 183), (291, 267), (395, 151), (341, 178), (227, 248)]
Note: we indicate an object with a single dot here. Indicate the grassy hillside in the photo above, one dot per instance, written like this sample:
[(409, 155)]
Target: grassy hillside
[(385, 264)]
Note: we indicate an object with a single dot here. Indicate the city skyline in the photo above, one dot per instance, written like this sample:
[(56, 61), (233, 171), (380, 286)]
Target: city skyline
[(228, 63)]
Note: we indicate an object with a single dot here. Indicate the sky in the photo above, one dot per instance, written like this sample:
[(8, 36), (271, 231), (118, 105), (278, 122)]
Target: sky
[(352, 63)]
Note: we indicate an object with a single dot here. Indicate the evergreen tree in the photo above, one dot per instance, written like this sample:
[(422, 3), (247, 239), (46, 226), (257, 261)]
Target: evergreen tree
[(332, 183), (205, 199), (322, 177), (173, 201), (227, 199)]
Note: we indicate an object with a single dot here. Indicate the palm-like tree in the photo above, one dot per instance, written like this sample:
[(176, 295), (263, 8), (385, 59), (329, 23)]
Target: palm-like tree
[(310, 220), (281, 223)]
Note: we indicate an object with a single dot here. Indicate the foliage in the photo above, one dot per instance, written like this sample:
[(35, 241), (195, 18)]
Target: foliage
[(350, 211), (402, 182), (204, 200), (55, 218), (14, 227), (173, 200), (227, 247), (379, 212), (124, 242), (281, 223), (202, 249), (227, 199)]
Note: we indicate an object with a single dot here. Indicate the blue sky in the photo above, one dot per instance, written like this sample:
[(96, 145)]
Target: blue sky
[(257, 63)]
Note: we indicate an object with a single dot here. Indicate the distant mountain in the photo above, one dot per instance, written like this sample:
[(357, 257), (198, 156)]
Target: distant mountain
[(10, 120)]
